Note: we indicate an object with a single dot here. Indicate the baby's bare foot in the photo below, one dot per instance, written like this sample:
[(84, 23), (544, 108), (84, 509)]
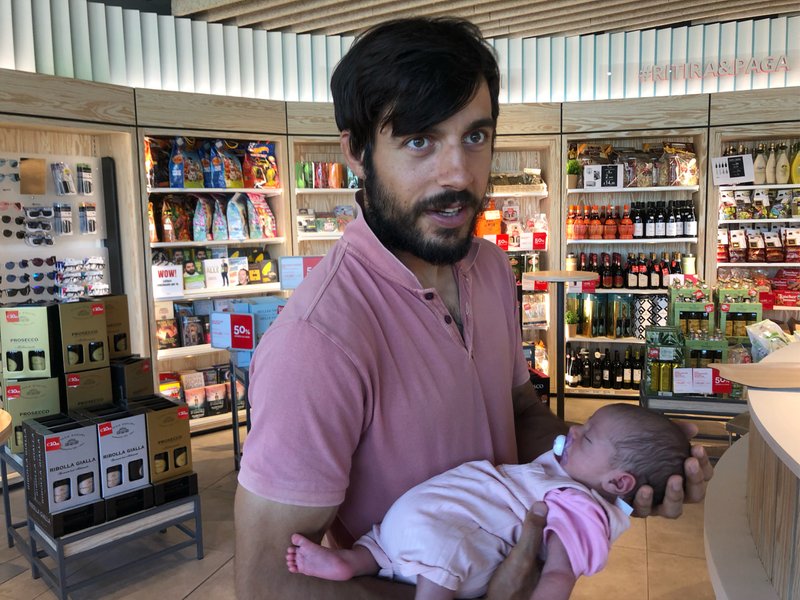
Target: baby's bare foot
[(309, 558)]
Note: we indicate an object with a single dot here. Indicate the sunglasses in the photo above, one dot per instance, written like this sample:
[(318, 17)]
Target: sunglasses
[(13, 163), (24, 291), (38, 212), (41, 289), (19, 234), (11, 176), (7, 205), (36, 225), (37, 262), (37, 239), (17, 221), (26, 277)]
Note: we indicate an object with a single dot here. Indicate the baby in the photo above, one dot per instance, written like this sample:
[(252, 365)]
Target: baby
[(448, 534)]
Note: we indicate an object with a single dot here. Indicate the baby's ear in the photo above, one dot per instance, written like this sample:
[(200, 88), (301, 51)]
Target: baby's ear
[(619, 483)]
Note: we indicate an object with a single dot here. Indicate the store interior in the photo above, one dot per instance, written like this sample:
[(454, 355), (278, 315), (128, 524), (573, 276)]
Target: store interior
[(686, 206)]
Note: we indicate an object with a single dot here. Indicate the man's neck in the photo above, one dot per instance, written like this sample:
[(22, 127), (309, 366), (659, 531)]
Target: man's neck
[(428, 274)]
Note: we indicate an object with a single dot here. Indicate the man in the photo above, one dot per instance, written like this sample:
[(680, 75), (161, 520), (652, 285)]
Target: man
[(399, 356)]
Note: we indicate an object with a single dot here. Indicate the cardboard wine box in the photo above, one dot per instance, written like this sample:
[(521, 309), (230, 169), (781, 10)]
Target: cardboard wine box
[(27, 344), (61, 474), (86, 389), (118, 326), (84, 336), (131, 378), (169, 444), (122, 443), (29, 399)]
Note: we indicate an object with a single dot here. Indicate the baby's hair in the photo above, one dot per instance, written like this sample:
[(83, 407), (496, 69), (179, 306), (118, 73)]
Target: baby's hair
[(650, 447)]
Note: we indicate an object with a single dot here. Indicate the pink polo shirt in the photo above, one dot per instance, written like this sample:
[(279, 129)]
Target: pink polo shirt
[(363, 387)]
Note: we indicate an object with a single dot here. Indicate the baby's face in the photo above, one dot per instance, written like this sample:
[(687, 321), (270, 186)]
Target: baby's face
[(589, 449)]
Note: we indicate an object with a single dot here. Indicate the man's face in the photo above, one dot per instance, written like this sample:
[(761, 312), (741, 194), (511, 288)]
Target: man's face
[(590, 448), (424, 190), (189, 268)]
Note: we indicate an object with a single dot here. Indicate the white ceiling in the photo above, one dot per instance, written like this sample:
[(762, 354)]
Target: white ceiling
[(496, 18)]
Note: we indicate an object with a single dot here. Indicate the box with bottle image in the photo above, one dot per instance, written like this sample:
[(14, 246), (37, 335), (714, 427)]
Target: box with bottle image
[(29, 346), (83, 335), (664, 351), (168, 437), (29, 399)]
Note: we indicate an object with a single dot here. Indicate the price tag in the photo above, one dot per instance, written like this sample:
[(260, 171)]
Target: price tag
[(725, 307), (767, 300), (232, 331), (709, 308), (589, 286), (526, 241), (540, 240), (720, 385), (293, 269)]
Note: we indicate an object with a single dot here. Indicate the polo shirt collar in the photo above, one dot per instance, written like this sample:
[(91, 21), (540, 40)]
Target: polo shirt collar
[(360, 239)]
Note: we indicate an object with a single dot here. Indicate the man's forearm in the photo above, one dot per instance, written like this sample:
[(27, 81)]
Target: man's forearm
[(536, 428)]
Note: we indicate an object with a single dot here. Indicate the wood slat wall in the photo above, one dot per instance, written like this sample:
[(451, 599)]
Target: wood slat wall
[(758, 106), (639, 113)]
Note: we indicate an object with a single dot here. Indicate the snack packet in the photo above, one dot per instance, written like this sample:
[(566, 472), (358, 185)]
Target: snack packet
[(201, 221), (213, 173), (766, 337), (232, 168), (237, 223), (260, 168)]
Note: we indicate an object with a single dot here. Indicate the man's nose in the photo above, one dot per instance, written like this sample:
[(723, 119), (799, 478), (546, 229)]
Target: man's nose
[(454, 167)]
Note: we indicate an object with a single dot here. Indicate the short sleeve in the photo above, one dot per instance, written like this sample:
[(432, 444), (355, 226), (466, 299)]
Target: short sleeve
[(308, 413), (582, 526)]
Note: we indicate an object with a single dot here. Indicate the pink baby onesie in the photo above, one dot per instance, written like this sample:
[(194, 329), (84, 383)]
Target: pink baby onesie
[(457, 527)]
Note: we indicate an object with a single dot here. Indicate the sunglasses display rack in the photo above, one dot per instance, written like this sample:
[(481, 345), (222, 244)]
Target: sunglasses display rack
[(52, 227)]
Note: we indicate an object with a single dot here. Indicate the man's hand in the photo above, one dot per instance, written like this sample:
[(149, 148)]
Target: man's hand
[(697, 473), (518, 574)]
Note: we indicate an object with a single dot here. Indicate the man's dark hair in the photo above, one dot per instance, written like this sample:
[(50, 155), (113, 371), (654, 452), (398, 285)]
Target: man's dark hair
[(410, 74), (650, 447)]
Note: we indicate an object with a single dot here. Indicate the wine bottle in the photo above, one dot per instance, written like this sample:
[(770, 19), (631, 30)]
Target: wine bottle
[(690, 224), (654, 272), (616, 369), (638, 222), (650, 223), (632, 272), (672, 222), (644, 279), (617, 274), (661, 221), (597, 370), (627, 370), (586, 374), (772, 161), (576, 370), (606, 365), (636, 370)]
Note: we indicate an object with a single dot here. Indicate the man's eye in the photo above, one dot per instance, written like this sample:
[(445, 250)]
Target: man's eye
[(418, 143), (476, 137)]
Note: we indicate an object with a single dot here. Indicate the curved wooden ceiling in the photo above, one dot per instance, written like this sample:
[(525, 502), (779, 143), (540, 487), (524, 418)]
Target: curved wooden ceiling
[(496, 18)]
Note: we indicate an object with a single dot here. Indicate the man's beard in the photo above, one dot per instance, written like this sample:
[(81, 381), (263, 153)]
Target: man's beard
[(399, 231)]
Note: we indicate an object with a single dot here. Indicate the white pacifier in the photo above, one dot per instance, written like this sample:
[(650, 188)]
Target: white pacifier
[(559, 444)]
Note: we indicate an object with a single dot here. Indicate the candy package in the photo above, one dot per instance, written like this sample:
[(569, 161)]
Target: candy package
[(260, 168), (213, 172), (185, 168), (261, 221), (201, 221)]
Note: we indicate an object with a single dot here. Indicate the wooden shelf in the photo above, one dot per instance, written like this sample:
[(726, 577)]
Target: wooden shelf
[(765, 186), (589, 391), (188, 351), (760, 264), (518, 195), (785, 308), (664, 240), (737, 221), (232, 291), (247, 242), (260, 191), (638, 291), (215, 422), (635, 190), (316, 237), (606, 340), (349, 191)]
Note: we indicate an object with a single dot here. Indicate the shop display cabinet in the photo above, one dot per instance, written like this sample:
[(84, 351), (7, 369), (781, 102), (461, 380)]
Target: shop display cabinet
[(167, 115)]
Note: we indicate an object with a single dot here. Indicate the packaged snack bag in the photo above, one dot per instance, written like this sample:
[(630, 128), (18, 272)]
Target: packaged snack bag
[(182, 220), (185, 169), (176, 160), (232, 168), (260, 168), (219, 223), (213, 171), (260, 219), (151, 223), (167, 222), (237, 220), (192, 169), (201, 221)]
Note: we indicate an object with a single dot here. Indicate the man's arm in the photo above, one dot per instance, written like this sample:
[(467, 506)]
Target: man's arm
[(535, 426), (263, 532)]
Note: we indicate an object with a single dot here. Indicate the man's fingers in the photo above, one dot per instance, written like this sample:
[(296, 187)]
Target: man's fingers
[(643, 501), (672, 507), (688, 428), (531, 536)]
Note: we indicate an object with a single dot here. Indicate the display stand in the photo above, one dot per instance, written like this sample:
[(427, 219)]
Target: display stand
[(96, 539), (236, 373), (559, 278)]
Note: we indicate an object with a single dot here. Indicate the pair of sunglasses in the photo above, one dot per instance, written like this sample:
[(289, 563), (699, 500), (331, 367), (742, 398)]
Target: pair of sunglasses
[(36, 262), (37, 239), (13, 163), (20, 235), (38, 212), (17, 221), (37, 225), (26, 277), (7, 205), (10, 176)]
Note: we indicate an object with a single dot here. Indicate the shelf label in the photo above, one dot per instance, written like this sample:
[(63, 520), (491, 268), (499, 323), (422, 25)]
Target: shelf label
[(767, 300), (167, 281), (293, 269), (526, 241), (709, 308), (725, 307), (232, 331), (589, 287)]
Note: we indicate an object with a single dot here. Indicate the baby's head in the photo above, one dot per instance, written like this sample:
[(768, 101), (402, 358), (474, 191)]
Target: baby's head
[(622, 447)]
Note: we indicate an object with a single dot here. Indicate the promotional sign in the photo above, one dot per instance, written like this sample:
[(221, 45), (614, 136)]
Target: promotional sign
[(294, 269), (232, 331)]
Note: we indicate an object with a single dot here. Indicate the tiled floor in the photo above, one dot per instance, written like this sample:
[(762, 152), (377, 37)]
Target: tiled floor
[(655, 560)]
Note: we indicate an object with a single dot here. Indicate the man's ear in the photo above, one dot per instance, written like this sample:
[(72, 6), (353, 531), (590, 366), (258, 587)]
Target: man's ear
[(619, 483), (356, 163)]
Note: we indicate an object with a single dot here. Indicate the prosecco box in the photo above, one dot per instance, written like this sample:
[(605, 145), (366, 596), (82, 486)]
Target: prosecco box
[(118, 326), (86, 389), (84, 335), (122, 442), (168, 437), (131, 378), (62, 474), (29, 399), (28, 347)]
